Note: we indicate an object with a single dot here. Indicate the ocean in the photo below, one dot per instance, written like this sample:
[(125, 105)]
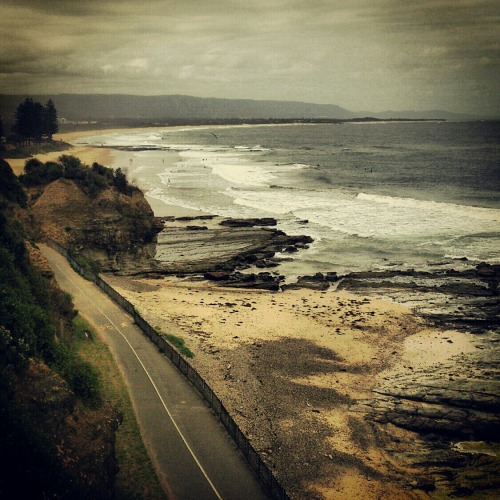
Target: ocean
[(374, 196)]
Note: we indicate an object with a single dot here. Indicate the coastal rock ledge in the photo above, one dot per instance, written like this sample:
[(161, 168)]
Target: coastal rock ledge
[(224, 248)]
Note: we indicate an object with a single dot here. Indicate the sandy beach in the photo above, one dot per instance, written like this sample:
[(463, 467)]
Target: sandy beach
[(86, 154), (291, 365)]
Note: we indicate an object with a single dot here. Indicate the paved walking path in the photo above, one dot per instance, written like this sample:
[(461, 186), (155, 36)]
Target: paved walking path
[(193, 455)]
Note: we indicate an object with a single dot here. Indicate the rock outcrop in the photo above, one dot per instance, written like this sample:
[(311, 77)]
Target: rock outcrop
[(440, 399), (319, 281), (116, 230), (252, 222), (223, 247), (453, 409), (262, 281), (467, 299)]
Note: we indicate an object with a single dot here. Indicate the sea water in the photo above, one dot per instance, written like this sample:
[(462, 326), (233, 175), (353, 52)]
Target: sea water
[(372, 195)]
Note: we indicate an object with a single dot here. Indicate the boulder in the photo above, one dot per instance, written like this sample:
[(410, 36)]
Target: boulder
[(319, 281), (263, 281)]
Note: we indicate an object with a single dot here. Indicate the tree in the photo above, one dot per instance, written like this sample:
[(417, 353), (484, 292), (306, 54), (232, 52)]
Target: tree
[(29, 120), (50, 125), (10, 187), (35, 121), (73, 167)]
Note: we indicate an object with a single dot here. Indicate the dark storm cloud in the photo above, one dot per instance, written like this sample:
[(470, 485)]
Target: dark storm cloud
[(361, 54)]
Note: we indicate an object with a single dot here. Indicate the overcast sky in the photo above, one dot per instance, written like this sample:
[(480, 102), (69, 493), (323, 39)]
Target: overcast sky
[(364, 55)]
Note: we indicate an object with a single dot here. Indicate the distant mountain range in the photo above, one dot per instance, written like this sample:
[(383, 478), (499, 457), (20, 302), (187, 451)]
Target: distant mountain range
[(160, 109)]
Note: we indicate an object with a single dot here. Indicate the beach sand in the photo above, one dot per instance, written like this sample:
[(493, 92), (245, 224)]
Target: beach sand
[(86, 154), (289, 366)]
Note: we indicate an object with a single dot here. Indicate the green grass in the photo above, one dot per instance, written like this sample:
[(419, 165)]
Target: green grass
[(137, 478), (177, 342), (89, 264), (81, 329)]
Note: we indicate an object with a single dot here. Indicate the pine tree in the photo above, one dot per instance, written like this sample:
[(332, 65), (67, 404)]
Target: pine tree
[(29, 120), (50, 126), (34, 121)]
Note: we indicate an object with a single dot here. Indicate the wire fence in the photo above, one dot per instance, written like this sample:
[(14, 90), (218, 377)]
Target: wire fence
[(262, 471)]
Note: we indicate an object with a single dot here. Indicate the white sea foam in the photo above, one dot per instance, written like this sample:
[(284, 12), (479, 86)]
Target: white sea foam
[(374, 216), (431, 205), (230, 165), (234, 181), (243, 174), (299, 166)]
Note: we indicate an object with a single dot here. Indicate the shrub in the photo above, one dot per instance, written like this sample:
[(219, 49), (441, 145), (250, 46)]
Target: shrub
[(84, 381), (10, 187), (88, 264), (29, 310), (81, 376), (14, 353), (91, 180), (179, 344)]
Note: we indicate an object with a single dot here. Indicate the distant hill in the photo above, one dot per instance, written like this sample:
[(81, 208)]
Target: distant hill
[(160, 109), (434, 114), (119, 106)]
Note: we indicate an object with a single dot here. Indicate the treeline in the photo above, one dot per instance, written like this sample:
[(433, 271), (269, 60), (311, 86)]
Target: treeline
[(35, 122), (92, 180)]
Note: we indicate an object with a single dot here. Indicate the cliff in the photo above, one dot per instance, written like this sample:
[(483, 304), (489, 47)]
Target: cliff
[(116, 230)]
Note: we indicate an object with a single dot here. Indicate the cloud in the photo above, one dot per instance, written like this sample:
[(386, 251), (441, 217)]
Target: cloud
[(139, 64), (359, 54)]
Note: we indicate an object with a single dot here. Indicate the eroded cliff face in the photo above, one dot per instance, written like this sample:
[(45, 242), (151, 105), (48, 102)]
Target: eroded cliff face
[(116, 230)]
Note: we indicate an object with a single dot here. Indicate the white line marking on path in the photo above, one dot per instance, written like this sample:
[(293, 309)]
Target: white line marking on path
[(151, 380)]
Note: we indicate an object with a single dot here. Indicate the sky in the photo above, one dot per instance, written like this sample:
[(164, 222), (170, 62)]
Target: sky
[(363, 55)]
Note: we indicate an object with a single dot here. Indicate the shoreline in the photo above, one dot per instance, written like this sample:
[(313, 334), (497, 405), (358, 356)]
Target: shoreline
[(104, 156), (457, 297), (447, 289), (86, 154)]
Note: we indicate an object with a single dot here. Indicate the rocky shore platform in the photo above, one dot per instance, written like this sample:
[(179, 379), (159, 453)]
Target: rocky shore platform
[(219, 249), (235, 253), (379, 384)]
